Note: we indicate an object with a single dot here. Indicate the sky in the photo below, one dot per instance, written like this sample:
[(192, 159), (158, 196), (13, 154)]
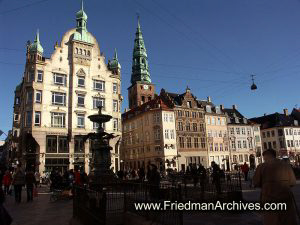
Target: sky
[(212, 46)]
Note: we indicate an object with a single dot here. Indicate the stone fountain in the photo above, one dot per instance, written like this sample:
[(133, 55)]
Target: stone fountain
[(101, 156)]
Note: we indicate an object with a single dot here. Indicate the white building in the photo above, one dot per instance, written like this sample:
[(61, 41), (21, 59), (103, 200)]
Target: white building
[(56, 96)]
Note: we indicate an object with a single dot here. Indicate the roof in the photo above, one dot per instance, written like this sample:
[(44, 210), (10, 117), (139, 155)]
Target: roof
[(276, 120), (236, 117), (152, 104)]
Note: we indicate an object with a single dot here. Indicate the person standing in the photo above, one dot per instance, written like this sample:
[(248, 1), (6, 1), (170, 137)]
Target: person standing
[(245, 170), (37, 176), (216, 176), (7, 179), (250, 175), (275, 178), (30, 181), (18, 182)]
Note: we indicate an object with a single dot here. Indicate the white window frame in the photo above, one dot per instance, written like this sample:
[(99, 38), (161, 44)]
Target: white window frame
[(82, 97), (58, 94), (61, 116), (115, 105), (80, 120), (40, 93), (81, 78), (63, 76), (101, 83), (115, 124), (98, 99), (40, 75), (167, 134), (171, 117), (115, 88), (172, 134), (37, 114)]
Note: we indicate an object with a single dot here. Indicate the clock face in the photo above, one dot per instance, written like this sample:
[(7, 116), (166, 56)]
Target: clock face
[(145, 87)]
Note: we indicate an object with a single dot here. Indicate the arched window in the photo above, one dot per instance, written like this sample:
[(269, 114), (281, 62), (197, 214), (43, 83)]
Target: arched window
[(84, 52), (76, 50), (80, 51), (88, 53)]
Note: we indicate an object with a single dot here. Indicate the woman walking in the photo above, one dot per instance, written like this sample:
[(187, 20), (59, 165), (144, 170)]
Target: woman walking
[(18, 182)]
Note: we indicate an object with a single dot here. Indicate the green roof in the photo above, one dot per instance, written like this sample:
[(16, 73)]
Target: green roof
[(36, 45)]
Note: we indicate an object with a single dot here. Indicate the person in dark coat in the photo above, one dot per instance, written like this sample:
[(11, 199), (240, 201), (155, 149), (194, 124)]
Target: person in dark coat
[(5, 218), (30, 182), (154, 181), (216, 176), (141, 174), (202, 174), (18, 182)]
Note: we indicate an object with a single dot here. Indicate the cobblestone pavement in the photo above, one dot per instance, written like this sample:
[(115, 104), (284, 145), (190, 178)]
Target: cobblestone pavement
[(39, 212), (43, 212)]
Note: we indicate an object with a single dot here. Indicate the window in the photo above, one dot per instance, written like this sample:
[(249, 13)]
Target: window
[(80, 100), (225, 133), (179, 113), (269, 145), (257, 139), (99, 85), (223, 121), (216, 147), (171, 118), (274, 144), (165, 117), (38, 96), (60, 79), (28, 118), (264, 134), (292, 143), (221, 147), (156, 117), (246, 158), (268, 133), (239, 144), (98, 102), (40, 76), (29, 97), (238, 131), (81, 81), (213, 121), (115, 124), (181, 142), (189, 142), (17, 101), (248, 131), (231, 130), (194, 114), (218, 121), (115, 88), (281, 144), (16, 117), (187, 113), (201, 127), (235, 158), (243, 130), (31, 76), (286, 132), (233, 145), (157, 134), (211, 147), (80, 120), (203, 143), (194, 127), (51, 144), (58, 98), (180, 126), (241, 158), (273, 133), (196, 144), (58, 119), (265, 146), (220, 133), (172, 134), (157, 148), (189, 104), (63, 146), (78, 145), (166, 134), (291, 132), (37, 118), (115, 105), (188, 126), (208, 120), (209, 133), (244, 144), (280, 132), (250, 144), (296, 143)]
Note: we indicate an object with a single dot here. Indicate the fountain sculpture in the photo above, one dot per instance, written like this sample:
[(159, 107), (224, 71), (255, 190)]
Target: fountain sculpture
[(101, 156)]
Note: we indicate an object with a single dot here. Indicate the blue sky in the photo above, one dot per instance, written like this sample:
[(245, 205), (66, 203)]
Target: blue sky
[(213, 46)]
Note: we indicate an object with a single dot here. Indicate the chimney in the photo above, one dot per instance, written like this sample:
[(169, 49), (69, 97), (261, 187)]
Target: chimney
[(222, 107), (234, 107), (209, 99), (286, 112)]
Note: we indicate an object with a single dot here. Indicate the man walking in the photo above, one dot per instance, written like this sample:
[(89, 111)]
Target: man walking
[(275, 178), (18, 182), (30, 181)]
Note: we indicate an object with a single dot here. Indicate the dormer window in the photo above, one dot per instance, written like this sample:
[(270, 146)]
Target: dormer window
[(245, 120), (189, 104), (218, 110), (237, 120), (208, 108), (296, 122)]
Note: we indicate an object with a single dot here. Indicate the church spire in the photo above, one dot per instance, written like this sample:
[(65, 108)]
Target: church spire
[(81, 33), (140, 67), (36, 45)]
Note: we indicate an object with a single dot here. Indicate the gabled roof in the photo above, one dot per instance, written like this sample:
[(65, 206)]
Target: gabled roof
[(152, 104), (233, 114), (275, 120)]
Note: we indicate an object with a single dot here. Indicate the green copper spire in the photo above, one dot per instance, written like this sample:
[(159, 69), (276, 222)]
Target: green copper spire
[(81, 33), (140, 67), (114, 64), (36, 45)]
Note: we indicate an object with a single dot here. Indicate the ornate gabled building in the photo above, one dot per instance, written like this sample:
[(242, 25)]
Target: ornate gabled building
[(141, 89), (190, 128), (59, 93)]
